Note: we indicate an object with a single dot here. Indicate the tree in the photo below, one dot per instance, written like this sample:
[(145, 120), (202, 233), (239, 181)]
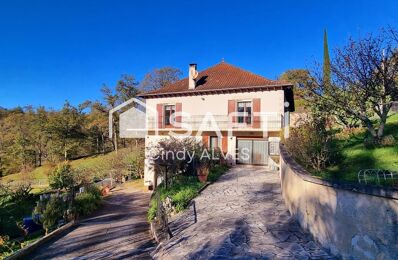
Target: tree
[(62, 177), (326, 60), (300, 78), (126, 88), (159, 78), (363, 82), (97, 124), (40, 136), (66, 130)]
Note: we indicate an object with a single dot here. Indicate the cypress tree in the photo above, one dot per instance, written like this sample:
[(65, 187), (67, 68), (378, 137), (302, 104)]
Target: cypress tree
[(326, 60)]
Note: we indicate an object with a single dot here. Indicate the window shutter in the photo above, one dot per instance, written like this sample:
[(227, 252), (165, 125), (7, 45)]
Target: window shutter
[(232, 108), (159, 110), (205, 140), (178, 110), (224, 144), (256, 109)]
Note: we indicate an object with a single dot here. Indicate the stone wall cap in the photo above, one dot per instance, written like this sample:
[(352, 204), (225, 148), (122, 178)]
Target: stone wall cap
[(385, 192)]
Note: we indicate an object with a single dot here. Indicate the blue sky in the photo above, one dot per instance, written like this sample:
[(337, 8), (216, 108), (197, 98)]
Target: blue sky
[(51, 51)]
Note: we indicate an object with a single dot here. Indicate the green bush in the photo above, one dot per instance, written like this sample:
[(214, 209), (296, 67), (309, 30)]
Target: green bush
[(183, 197), (54, 211), (216, 171), (152, 209), (182, 190), (87, 202), (312, 145)]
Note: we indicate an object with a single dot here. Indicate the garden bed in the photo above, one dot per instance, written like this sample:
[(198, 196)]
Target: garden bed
[(182, 190)]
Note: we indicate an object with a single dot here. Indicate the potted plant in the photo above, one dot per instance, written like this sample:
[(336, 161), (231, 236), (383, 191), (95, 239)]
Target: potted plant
[(202, 165), (202, 172)]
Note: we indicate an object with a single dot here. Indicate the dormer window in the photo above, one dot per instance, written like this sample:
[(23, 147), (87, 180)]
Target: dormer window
[(168, 111), (245, 110)]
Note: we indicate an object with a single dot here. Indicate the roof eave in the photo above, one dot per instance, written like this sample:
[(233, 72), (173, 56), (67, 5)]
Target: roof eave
[(216, 91)]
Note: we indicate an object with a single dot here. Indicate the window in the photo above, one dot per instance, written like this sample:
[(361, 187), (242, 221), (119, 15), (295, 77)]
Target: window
[(245, 108), (168, 111)]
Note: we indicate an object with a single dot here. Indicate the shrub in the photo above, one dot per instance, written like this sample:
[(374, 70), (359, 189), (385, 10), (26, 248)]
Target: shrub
[(87, 202), (153, 207), (216, 171), (181, 199), (54, 211), (7, 247), (311, 144), (182, 191), (62, 177), (370, 143), (388, 140), (15, 193)]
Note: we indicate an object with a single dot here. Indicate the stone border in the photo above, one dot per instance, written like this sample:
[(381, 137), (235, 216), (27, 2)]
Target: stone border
[(24, 252), (385, 192), (352, 221)]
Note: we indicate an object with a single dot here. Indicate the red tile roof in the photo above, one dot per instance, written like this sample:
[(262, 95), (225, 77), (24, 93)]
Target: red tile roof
[(221, 77)]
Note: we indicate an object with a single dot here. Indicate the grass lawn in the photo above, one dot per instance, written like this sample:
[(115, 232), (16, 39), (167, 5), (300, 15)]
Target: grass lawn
[(357, 157), (183, 190)]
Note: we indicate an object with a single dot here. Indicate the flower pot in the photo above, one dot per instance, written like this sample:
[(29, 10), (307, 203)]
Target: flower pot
[(203, 172)]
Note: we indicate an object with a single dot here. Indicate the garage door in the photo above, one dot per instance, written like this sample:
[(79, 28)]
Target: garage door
[(252, 151)]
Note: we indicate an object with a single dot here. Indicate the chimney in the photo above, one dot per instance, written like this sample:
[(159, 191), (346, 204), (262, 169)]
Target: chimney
[(192, 76)]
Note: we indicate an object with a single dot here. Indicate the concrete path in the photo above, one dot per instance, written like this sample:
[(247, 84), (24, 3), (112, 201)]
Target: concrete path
[(241, 216), (119, 230)]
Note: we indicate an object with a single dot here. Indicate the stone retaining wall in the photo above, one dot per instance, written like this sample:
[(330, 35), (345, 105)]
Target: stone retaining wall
[(351, 221)]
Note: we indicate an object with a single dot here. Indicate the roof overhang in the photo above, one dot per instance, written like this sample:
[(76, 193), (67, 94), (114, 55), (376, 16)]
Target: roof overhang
[(197, 92)]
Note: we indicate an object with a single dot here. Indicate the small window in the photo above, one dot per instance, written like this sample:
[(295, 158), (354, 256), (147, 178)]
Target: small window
[(245, 107), (168, 111)]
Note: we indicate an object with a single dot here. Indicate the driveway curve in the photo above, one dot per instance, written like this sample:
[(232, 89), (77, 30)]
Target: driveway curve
[(119, 230), (241, 216)]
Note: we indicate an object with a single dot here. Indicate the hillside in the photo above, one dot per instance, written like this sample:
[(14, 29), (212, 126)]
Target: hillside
[(357, 157), (93, 164)]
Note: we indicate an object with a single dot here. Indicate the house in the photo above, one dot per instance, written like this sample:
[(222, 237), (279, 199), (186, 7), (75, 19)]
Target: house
[(223, 106)]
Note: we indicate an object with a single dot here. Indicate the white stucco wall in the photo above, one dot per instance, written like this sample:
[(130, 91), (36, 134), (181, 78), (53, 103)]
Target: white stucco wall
[(271, 101)]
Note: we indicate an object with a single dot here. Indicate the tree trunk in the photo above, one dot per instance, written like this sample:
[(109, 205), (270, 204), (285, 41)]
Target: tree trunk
[(380, 131), (371, 128), (40, 155), (115, 142), (103, 143)]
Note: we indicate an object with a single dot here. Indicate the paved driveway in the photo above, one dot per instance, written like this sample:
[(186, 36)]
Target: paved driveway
[(119, 230), (241, 215)]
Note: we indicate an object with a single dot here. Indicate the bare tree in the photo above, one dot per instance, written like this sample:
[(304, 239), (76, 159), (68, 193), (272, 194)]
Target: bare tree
[(363, 82), (159, 78)]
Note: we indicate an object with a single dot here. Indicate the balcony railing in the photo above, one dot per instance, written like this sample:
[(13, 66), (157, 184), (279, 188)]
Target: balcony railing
[(219, 122)]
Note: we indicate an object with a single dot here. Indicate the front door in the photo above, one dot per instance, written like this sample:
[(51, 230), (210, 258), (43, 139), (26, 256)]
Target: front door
[(252, 151)]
